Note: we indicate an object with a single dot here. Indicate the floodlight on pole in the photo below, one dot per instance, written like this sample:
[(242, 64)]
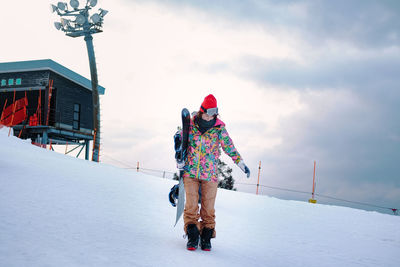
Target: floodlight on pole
[(65, 22), (74, 3), (62, 6), (80, 19), (58, 25), (95, 18), (78, 25), (103, 12), (93, 3), (53, 8)]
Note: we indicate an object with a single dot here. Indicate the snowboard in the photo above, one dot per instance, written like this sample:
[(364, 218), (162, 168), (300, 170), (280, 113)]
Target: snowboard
[(180, 156)]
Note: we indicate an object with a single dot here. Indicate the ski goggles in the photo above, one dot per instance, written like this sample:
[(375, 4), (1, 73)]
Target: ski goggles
[(210, 111)]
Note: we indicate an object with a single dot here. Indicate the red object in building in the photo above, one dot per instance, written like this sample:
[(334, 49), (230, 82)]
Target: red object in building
[(33, 120)]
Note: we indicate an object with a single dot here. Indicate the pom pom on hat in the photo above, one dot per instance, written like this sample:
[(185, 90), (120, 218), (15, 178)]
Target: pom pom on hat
[(209, 102)]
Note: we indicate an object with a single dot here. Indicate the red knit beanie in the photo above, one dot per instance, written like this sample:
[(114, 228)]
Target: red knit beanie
[(209, 102)]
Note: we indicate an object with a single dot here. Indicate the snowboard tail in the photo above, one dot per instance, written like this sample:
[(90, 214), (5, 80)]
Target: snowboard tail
[(180, 156), (181, 199)]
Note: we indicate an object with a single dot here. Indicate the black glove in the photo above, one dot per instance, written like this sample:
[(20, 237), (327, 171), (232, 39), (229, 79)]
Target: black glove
[(174, 194), (177, 145), (244, 168)]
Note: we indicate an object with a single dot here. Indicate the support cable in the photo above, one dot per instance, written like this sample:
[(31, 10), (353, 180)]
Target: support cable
[(324, 196)]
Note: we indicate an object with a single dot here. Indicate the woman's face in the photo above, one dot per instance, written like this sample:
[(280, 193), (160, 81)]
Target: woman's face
[(207, 117)]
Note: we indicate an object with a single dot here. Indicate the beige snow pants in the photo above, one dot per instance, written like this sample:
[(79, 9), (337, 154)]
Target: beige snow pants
[(191, 213)]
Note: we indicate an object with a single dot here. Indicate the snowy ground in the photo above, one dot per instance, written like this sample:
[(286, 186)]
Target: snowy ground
[(56, 210)]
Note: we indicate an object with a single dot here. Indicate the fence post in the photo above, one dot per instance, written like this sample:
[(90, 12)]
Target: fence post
[(312, 200), (258, 181)]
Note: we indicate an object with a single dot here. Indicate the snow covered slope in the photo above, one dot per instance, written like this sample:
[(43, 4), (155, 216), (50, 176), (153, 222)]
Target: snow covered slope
[(56, 210)]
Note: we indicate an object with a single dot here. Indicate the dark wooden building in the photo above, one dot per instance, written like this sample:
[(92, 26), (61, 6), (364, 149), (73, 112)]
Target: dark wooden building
[(58, 98)]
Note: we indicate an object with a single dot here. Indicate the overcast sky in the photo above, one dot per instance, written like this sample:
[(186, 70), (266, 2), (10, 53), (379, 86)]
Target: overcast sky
[(296, 81)]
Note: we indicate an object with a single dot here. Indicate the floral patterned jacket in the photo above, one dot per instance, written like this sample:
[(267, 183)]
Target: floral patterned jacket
[(203, 151)]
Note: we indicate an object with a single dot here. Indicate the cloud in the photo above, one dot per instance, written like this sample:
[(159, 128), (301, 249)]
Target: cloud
[(359, 73), (350, 142), (363, 23), (368, 24)]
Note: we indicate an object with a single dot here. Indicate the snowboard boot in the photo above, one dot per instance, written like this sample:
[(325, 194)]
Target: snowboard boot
[(206, 236), (193, 237)]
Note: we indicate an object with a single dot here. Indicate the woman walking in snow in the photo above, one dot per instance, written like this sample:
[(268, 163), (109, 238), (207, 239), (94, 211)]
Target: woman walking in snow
[(206, 134)]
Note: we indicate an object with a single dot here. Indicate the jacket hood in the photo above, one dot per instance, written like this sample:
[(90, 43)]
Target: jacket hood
[(219, 123)]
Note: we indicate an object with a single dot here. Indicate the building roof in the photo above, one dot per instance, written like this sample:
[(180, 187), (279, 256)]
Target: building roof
[(48, 64)]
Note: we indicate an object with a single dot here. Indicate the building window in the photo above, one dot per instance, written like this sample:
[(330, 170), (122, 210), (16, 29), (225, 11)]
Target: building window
[(77, 115), (18, 81), (3, 82), (10, 81)]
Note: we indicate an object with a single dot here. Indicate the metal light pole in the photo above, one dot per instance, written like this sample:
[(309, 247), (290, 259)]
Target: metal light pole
[(81, 24)]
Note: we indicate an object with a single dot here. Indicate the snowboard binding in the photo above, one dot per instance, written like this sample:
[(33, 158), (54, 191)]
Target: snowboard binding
[(173, 195)]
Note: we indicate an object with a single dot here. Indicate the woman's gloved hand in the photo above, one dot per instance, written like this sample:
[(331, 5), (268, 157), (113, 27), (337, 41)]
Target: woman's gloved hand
[(244, 168)]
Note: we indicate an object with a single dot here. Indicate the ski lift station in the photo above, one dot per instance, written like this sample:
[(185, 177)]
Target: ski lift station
[(47, 103)]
